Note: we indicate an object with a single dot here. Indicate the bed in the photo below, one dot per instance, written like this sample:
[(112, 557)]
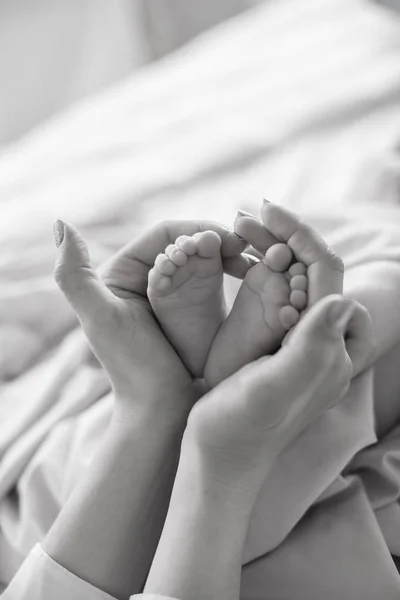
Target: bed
[(294, 101)]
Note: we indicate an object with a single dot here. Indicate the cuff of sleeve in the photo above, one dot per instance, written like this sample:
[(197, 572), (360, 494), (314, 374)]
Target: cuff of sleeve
[(151, 597), (41, 578)]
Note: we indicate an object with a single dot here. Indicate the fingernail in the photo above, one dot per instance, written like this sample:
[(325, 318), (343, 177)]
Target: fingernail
[(58, 229), (340, 314), (252, 259), (239, 237), (265, 201), (243, 213)]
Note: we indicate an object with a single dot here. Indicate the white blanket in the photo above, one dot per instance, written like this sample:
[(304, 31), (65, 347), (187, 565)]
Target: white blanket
[(296, 101)]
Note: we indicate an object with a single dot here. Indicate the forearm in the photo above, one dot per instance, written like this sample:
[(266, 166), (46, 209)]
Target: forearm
[(108, 531), (199, 556)]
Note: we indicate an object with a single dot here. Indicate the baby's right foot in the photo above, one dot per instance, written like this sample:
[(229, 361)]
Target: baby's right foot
[(268, 304), (186, 293)]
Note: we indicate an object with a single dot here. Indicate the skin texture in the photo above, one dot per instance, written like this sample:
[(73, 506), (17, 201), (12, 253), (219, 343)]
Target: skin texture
[(108, 530), (260, 317), (325, 270), (186, 293), (113, 309), (111, 506), (233, 436), (119, 490)]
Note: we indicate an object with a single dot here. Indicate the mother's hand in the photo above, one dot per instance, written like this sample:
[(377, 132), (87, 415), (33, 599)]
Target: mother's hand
[(325, 270), (233, 436), (116, 316), (278, 224), (244, 423)]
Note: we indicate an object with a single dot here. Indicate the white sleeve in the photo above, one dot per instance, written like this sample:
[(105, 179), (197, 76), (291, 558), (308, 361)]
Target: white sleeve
[(41, 578), (152, 597)]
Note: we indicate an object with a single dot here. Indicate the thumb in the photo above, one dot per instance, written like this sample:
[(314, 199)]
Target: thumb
[(316, 350), (335, 319), (311, 372), (82, 287)]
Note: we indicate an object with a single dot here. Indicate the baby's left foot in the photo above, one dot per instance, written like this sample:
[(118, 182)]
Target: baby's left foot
[(185, 290), (269, 303)]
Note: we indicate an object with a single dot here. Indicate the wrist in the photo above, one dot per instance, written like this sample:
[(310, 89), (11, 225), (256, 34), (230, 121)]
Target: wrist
[(199, 555), (241, 474), (230, 491), (165, 414), (149, 433)]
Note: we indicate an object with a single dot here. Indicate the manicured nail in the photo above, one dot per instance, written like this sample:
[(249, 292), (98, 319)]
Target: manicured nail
[(340, 314), (265, 201), (58, 229), (252, 259), (239, 237), (243, 213)]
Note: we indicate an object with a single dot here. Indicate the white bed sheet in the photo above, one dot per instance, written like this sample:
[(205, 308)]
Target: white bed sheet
[(296, 101)]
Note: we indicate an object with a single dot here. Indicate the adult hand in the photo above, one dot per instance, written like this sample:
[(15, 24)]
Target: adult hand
[(325, 270), (116, 316), (242, 425), (233, 436)]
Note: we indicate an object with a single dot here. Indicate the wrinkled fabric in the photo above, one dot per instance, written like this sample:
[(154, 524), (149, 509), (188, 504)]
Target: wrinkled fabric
[(41, 578), (308, 116)]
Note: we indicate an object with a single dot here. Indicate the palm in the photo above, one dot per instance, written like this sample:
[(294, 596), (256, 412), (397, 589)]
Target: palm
[(142, 356)]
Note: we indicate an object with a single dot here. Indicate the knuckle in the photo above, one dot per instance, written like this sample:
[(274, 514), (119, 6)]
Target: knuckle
[(63, 276)]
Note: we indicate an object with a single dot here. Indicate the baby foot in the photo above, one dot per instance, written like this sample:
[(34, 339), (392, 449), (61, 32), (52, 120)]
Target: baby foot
[(185, 290), (268, 304)]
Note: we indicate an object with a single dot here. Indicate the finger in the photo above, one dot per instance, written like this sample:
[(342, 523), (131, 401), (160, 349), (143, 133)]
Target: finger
[(82, 287), (238, 266), (324, 268), (313, 370), (334, 317), (130, 267), (253, 252), (157, 239), (254, 232), (326, 321)]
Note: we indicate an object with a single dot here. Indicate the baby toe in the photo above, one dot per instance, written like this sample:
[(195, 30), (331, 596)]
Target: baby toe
[(164, 265), (176, 255), (278, 257), (299, 282), (186, 244), (208, 243), (298, 299), (159, 282), (288, 316), (297, 268)]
